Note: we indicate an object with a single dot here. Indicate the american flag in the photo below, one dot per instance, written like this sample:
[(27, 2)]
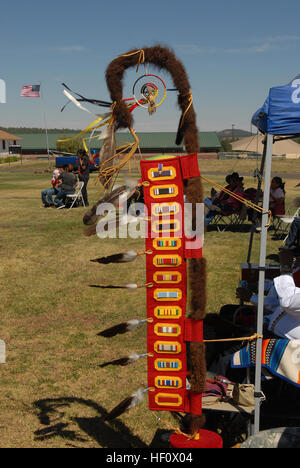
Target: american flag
[(31, 91)]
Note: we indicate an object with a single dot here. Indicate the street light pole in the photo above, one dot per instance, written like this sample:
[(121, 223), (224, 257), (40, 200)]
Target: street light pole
[(233, 125)]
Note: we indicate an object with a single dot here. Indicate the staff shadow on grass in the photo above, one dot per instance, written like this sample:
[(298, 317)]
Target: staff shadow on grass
[(52, 413)]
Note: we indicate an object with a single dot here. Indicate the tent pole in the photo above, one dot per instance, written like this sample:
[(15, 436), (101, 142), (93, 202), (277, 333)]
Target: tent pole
[(262, 263), (261, 171)]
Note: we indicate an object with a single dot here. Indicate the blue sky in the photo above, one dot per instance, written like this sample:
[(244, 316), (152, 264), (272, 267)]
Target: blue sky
[(233, 52)]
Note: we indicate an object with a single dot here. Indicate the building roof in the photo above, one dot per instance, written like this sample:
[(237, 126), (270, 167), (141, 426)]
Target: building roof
[(8, 136), (155, 140), (254, 143)]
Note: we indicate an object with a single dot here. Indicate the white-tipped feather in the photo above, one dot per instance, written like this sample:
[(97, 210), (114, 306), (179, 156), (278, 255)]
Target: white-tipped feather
[(131, 286), (130, 255), (137, 398), (126, 405), (133, 357), (132, 324)]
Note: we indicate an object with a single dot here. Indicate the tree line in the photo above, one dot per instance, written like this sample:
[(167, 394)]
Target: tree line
[(37, 130)]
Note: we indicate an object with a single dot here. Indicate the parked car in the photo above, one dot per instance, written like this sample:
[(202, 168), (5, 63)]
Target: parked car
[(61, 161)]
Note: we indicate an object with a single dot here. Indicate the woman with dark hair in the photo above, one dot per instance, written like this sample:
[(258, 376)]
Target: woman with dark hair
[(277, 197)]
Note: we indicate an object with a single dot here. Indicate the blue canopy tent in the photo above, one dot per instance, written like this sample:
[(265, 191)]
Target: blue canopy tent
[(280, 113), (279, 117)]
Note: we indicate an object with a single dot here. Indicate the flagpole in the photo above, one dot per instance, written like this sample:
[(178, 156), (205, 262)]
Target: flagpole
[(45, 122)]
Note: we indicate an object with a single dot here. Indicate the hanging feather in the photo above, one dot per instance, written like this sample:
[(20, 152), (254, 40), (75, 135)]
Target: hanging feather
[(126, 405), (106, 155), (121, 328), (111, 286), (91, 218), (112, 197), (81, 98), (124, 257), (125, 361)]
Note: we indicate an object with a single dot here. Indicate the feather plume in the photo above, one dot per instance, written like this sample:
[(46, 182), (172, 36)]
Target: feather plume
[(109, 286), (74, 100), (129, 286), (107, 152), (112, 197), (97, 102), (111, 224), (90, 231), (125, 405), (124, 361), (121, 328), (128, 256)]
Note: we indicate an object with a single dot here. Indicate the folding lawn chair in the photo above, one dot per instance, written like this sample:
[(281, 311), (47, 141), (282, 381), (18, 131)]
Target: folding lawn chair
[(77, 196), (281, 225), (232, 220)]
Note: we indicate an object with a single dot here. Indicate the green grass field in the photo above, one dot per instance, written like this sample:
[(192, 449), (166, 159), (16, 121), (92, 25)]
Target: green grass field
[(53, 391)]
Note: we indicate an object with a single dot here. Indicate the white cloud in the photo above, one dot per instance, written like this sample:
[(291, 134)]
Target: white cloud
[(259, 46), (282, 38), (194, 49)]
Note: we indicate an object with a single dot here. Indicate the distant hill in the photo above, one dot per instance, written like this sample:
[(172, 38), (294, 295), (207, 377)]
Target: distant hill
[(237, 133)]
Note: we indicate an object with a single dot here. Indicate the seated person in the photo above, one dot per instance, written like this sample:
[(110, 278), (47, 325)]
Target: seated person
[(277, 197), (66, 185), (47, 194), (215, 196), (281, 317), (285, 321), (293, 238), (225, 203), (246, 315)]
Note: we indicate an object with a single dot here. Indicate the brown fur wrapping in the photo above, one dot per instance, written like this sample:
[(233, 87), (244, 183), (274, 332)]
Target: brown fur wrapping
[(197, 284), (162, 58), (198, 366), (192, 423)]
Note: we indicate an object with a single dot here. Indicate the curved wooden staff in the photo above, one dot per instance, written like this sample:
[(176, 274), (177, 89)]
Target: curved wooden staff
[(164, 58)]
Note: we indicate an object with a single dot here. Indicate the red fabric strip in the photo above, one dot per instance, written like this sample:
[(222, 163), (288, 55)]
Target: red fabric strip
[(193, 330), (195, 400), (189, 166)]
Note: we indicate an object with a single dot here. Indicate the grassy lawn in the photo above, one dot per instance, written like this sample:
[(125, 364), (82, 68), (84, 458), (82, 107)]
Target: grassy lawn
[(53, 391)]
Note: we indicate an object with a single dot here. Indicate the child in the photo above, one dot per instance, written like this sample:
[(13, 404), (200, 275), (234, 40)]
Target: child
[(277, 197)]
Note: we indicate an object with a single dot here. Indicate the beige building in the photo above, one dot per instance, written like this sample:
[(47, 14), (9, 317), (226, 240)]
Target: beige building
[(6, 140), (288, 148)]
